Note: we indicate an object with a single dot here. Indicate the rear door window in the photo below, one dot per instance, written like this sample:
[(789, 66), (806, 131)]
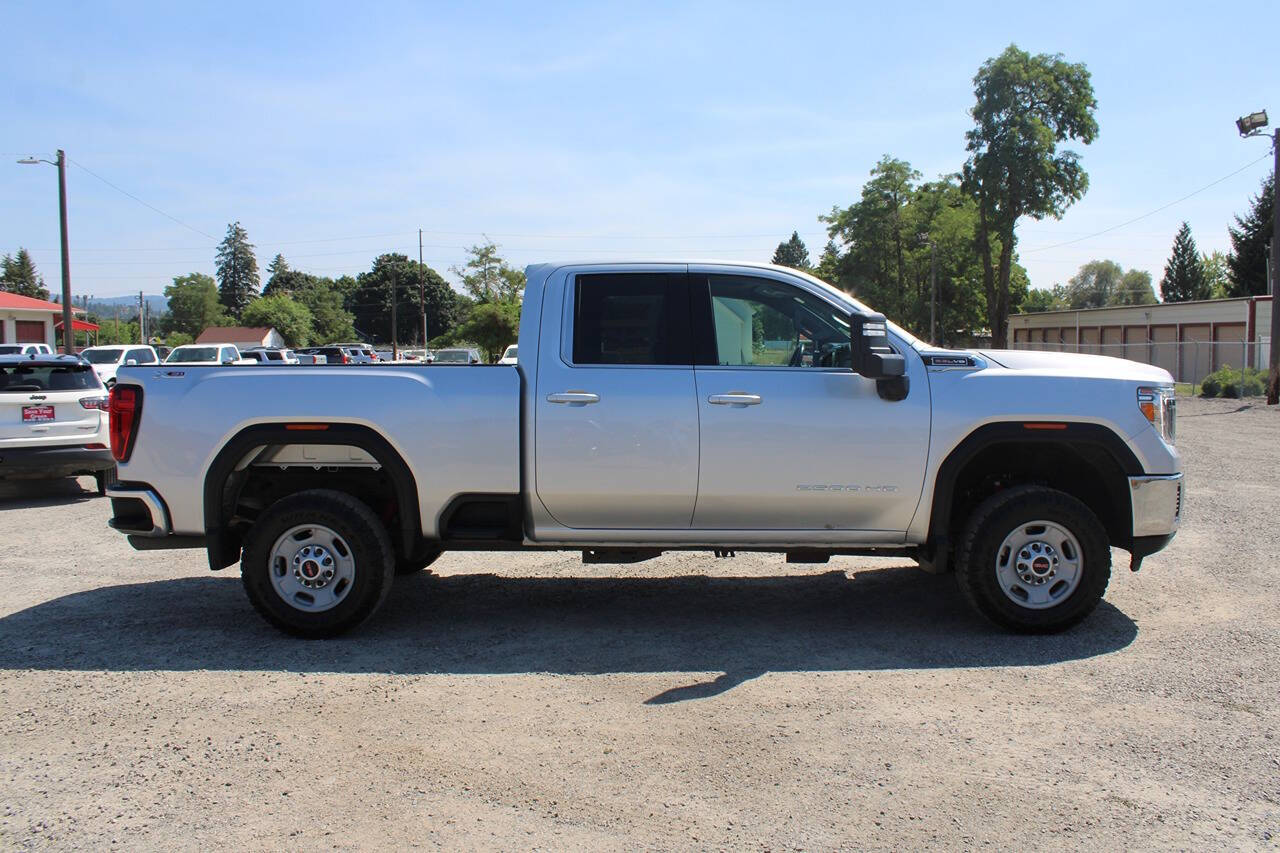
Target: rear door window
[(26, 379), (631, 318)]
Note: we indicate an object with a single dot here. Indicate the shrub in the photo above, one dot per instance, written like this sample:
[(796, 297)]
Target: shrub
[(1226, 381)]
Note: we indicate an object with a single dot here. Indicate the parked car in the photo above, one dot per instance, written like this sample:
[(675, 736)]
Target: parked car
[(53, 419), (26, 349), (311, 358), (332, 354), (206, 354), (508, 355), (271, 355), (107, 359), (458, 355), (357, 353), (646, 415)]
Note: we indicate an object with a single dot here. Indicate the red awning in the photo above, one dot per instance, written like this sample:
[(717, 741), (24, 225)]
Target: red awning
[(77, 325)]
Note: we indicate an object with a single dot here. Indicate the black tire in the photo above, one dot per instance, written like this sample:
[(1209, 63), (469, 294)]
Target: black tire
[(362, 534), (1000, 516), (413, 565)]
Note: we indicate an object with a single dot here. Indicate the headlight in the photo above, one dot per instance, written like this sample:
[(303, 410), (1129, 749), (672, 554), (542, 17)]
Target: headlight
[(1160, 406)]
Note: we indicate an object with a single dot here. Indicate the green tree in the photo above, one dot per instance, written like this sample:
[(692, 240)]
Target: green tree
[(117, 332), (193, 304), (792, 253), (323, 297), (1094, 285), (487, 277), (1135, 289), (1052, 299), (18, 275), (284, 314), (278, 266), (370, 301), (237, 271), (492, 326), (1184, 279), (828, 268), (1247, 261), (1216, 275), (178, 339), (1025, 106)]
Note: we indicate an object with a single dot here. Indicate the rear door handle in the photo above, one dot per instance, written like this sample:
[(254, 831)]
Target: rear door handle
[(580, 398), (735, 398)]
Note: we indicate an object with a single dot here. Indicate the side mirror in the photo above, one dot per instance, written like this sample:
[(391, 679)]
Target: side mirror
[(228, 361), (130, 362), (872, 355)]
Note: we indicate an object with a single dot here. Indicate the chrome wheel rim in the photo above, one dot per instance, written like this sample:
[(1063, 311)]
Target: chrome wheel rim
[(312, 568), (1039, 564)]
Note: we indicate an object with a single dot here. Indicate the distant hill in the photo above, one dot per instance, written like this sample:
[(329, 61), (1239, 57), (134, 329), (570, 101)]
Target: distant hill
[(106, 306)]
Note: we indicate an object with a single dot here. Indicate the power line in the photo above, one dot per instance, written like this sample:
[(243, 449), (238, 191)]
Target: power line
[(141, 202), (1149, 213)]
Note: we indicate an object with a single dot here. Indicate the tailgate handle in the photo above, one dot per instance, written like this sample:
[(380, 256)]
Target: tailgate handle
[(735, 398), (579, 398)]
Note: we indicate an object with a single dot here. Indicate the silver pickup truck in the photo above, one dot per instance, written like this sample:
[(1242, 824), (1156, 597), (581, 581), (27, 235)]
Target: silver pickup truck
[(672, 406)]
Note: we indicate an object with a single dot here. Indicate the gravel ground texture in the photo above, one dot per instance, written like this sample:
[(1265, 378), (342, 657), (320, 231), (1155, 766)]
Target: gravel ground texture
[(530, 701)]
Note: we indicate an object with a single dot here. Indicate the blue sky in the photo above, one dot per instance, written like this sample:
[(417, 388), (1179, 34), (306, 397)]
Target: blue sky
[(333, 132)]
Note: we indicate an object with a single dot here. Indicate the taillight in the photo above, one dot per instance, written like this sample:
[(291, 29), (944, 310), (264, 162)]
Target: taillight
[(346, 359), (95, 402), (125, 411)]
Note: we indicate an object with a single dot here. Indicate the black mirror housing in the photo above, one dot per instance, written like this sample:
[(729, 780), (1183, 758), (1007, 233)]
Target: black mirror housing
[(872, 355)]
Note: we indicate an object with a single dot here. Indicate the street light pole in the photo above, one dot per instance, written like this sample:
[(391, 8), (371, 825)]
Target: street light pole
[(1273, 378), (68, 324), (68, 332), (1251, 125)]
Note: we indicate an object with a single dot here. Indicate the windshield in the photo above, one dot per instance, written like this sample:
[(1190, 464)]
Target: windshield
[(193, 354), (459, 356), (102, 356)]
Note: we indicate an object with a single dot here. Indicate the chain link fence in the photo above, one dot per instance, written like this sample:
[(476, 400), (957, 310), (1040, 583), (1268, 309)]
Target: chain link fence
[(1229, 365)]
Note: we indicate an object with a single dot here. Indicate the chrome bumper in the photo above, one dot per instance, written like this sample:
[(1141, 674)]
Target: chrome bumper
[(1156, 503), (155, 507)]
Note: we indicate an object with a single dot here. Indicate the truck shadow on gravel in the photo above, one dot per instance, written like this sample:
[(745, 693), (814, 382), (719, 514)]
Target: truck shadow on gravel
[(894, 618), (31, 494)]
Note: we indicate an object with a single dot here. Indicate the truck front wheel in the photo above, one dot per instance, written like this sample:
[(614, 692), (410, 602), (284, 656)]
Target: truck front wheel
[(1034, 559), (317, 563)]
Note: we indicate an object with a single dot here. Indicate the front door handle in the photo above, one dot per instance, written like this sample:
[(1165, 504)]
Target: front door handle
[(580, 398), (735, 398)]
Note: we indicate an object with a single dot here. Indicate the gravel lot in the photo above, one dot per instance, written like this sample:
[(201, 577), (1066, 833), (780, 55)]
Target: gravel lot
[(530, 701)]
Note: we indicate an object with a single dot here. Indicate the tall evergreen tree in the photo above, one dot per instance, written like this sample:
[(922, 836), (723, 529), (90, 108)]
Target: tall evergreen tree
[(237, 270), (1184, 278), (1247, 261), (828, 268), (276, 268), (18, 275), (792, 253)]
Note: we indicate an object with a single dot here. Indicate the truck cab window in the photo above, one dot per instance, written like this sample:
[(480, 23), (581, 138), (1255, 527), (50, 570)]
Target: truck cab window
[(631, 318), (765, 323)]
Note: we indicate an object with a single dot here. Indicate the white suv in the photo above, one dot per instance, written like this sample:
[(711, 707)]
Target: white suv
[(26, 349), (106, 360), (53, 419)]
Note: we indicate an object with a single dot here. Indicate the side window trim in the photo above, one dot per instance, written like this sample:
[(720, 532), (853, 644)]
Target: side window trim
[(705, 352), (568, 313)]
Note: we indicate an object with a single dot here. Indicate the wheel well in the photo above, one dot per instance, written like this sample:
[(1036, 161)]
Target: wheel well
[(1086, 461), (236, 491)]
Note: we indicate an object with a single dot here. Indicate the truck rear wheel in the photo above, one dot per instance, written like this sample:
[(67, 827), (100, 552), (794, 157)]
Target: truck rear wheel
[(1034, 559), (317, 563)]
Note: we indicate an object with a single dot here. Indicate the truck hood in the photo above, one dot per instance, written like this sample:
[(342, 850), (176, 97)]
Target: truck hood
[(1078, 364)]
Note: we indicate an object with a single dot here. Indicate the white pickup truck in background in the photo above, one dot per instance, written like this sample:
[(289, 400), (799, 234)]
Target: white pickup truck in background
[(659, 406)]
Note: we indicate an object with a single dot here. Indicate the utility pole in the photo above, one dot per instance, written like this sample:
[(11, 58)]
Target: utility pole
[(395, 284), (68, 328), (142, 320), (422, 295), (933, 289)]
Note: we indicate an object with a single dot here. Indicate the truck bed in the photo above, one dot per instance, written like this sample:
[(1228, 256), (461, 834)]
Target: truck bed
[(460, 424)]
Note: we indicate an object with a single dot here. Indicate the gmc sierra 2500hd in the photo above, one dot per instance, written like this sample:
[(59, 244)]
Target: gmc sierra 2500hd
[(659, 406)]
